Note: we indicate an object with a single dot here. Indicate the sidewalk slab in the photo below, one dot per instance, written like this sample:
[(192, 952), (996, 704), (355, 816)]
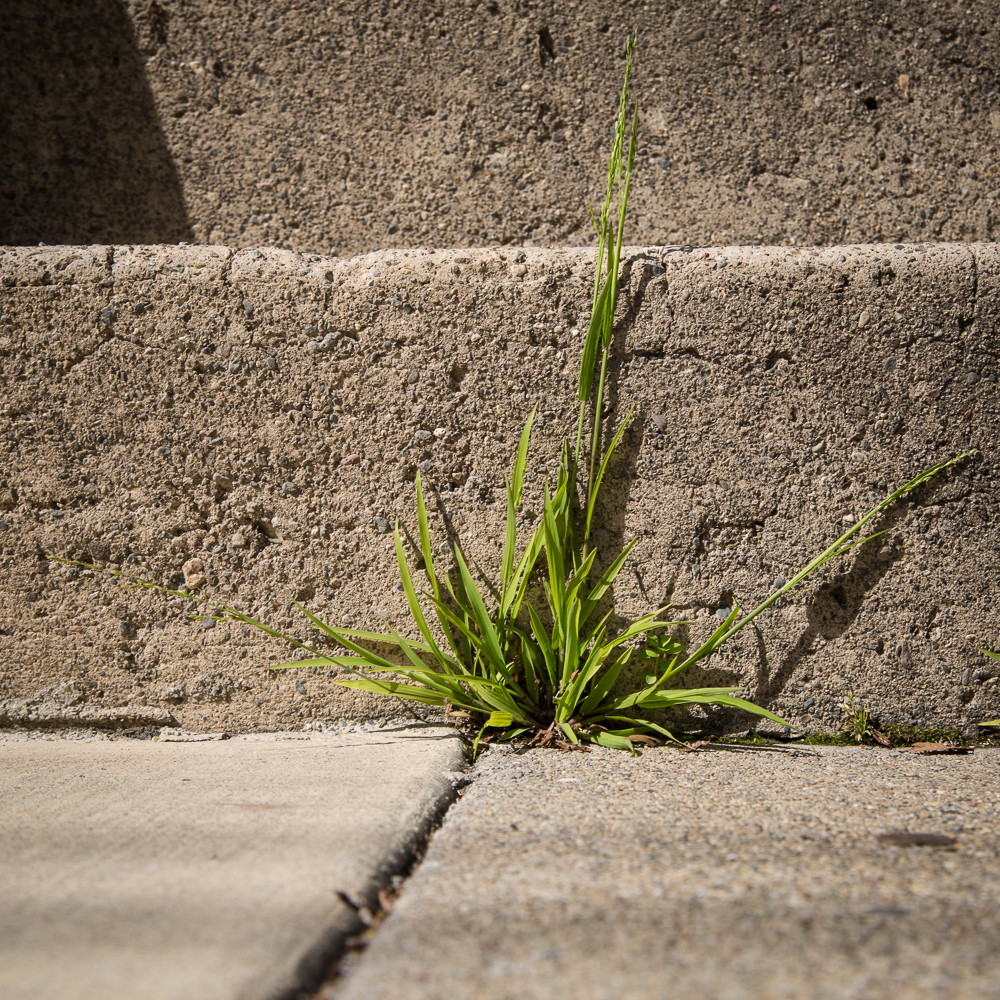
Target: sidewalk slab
[(203, 869), (716, 874)]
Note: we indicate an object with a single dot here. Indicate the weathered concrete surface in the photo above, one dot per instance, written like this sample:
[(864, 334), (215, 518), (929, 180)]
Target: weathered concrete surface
[(710, 874), (265, 414), (351, 126), (166, 870)]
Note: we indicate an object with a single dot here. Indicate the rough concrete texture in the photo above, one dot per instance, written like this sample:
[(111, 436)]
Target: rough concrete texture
[(713, 874), (355, 126), (208, 869), (251, 424)]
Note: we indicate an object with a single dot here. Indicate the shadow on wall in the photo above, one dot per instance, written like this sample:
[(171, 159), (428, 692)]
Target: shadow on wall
[(82, 156)]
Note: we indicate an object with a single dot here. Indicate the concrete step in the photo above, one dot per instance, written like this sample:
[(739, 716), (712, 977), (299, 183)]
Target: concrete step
[(203, 869), (245, 424)]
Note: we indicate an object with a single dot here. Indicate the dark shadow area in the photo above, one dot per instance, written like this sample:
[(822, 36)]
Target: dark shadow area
[(82, 156), (831, 611), (835, 606)]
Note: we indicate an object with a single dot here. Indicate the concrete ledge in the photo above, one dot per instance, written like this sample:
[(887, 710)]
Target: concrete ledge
[(259, 417)]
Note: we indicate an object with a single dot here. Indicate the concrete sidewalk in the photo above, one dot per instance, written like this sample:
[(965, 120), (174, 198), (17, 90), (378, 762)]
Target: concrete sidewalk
[(717, 874), (205, 869)]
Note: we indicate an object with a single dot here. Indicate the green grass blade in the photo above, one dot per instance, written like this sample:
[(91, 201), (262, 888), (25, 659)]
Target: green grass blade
[(411, 655), (545, 646), (380, 662), (706, 648), (447, 684), (596, 485), (487, 633), (316, 661), (428, 555), (414, 605), (577, 580), (465, 653), (534, 665), (408, 691), (833, 550), (521, 460), (554, 558), (514, 491), (585, 673), (647, 623), (638, 723), (509, 544), (356, 633), (571, 650), (709, 696), (603, 687), (425, 539), (588, 362), (570, 733), (522, 574), (607, 578), (614, 742)]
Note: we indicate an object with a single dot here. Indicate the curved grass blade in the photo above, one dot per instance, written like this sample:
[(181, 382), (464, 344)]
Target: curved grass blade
[(489, 640), (522, 575), (317, 661), (498, 720), (645, 724), (606, 579), (571, 653), (607, 739), (398, 690), (514, 490), (534, 664), (596, 485), (603, 687), (710, 696), (570, 733), (545, 646), (357, 633), (417, 611), (521, 459), (705, 649)]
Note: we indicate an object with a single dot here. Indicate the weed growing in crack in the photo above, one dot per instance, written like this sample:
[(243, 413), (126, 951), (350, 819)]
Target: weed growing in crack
[(547, 668), (858, 722), (992, 656)]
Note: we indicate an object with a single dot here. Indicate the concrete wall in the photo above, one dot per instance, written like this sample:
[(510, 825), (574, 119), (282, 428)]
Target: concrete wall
[(265, 414), (351, 126)]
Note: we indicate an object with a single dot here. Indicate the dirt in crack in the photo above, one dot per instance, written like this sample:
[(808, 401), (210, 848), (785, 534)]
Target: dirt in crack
[(370, 918), (356, 945)]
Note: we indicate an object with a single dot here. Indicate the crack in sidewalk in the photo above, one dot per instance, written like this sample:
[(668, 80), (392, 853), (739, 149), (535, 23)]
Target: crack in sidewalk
[(324, 969)]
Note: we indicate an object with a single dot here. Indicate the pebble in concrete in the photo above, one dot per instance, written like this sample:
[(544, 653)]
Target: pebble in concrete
[(206, 869)]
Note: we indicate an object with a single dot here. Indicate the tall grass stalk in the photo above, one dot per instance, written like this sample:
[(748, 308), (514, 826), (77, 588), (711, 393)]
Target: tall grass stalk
[(546, 663)]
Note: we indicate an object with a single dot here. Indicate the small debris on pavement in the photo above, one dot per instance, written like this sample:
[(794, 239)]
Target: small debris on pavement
[(938, 748), (177, 736), (904, 839)]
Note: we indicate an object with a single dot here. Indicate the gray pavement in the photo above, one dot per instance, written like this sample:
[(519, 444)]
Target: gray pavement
[(718, 875), (201, 870)]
